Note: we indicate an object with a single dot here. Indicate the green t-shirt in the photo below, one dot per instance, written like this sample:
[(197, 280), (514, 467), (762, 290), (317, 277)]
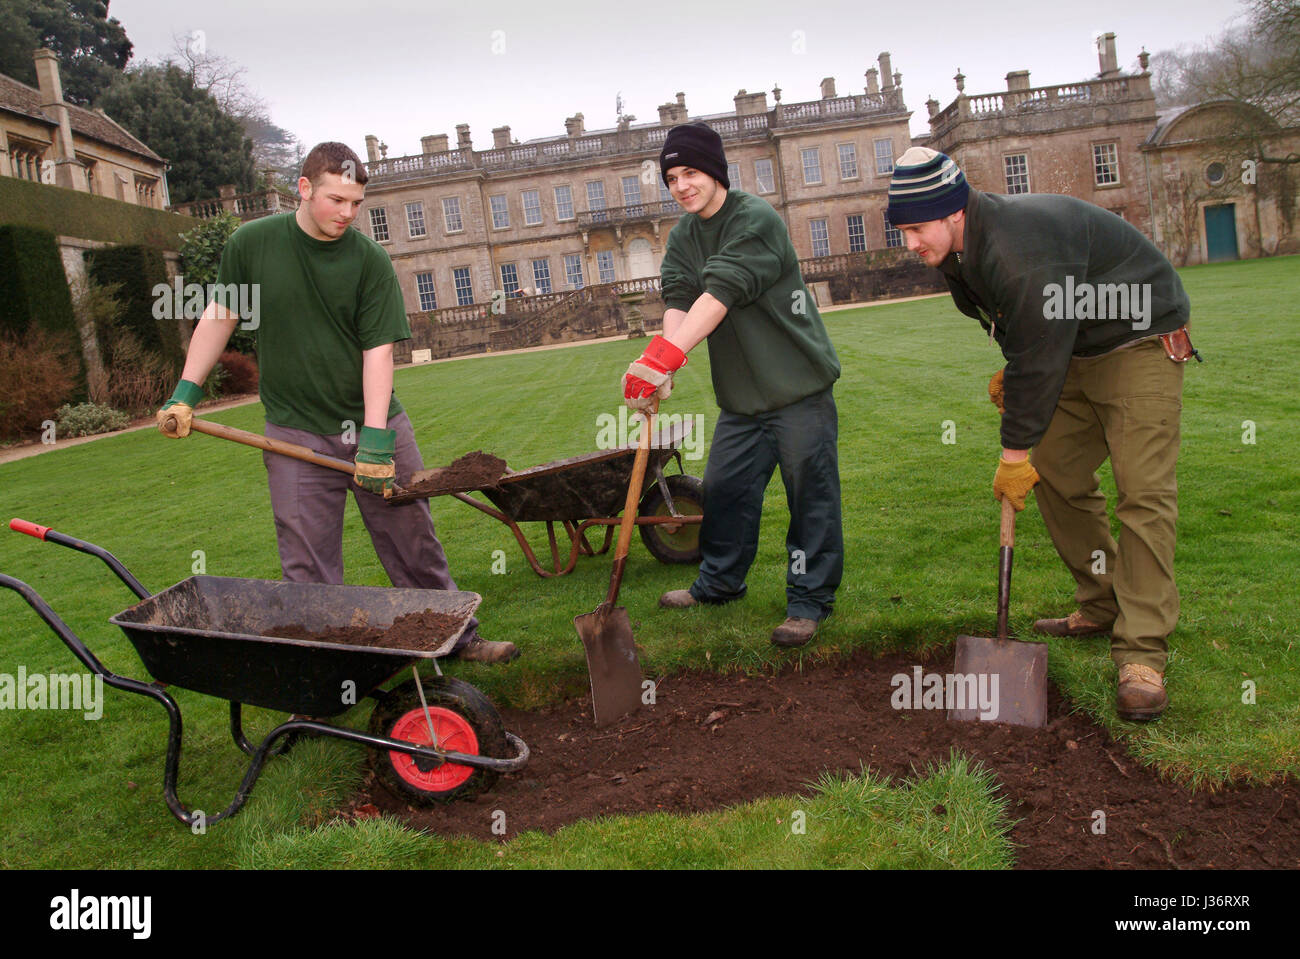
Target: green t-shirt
[(771, 349), (319, 304)]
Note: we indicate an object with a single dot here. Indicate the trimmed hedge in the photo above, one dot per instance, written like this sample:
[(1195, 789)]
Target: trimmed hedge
[(137, 270), (34, 290), (73, 213)]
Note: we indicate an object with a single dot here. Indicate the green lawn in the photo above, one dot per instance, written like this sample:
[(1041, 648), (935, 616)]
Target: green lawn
[(921, 525)]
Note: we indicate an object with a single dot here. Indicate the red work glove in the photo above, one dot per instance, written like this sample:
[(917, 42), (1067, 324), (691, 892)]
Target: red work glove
[(652, 374)]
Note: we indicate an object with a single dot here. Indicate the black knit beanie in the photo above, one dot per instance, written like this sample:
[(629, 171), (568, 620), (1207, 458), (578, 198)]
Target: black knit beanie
[(694, 145)]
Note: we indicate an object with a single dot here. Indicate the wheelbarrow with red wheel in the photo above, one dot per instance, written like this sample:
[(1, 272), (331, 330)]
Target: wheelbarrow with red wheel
[(586, 491), (431, 739)]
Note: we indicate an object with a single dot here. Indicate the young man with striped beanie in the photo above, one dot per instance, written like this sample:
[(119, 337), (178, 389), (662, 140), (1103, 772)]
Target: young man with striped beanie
[(730, 274), (1091, 320)]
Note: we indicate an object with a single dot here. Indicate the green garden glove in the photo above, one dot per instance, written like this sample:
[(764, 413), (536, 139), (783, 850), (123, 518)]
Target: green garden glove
[(1013, 481), (375, 472), (179, 408)]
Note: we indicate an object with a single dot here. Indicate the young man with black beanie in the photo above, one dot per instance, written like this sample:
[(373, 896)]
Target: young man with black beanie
[(730, 274), (1089, 375)]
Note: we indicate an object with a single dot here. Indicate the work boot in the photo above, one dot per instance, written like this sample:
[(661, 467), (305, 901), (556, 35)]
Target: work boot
[(1141, 695), (480, 650), (678, 599), (1074, 625), (795, 631)]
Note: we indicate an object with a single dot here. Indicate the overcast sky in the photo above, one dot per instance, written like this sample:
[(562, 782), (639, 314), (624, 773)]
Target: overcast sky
[(401, 69)]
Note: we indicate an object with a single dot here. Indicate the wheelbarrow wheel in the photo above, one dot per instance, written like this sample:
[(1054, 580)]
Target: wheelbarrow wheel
[(464, 721), (665, 544)]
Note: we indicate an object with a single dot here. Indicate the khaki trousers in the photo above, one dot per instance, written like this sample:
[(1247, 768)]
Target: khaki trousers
[(1126, 405)]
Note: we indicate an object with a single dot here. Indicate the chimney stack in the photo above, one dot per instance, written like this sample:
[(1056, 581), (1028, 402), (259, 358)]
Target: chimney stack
[(500, 137), (434, 144), (463, 141), (576, 125), (873, 81), (828, 88), (372, 148), (1017, 80), (68, 170), (886, 72), (1106, 54)]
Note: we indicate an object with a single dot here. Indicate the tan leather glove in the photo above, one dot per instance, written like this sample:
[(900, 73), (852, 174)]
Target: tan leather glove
[(1014, 481), (995, 391), (181, 407)]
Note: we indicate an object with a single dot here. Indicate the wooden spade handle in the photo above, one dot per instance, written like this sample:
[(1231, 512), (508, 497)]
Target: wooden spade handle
[(1008, 532), (633, 504)]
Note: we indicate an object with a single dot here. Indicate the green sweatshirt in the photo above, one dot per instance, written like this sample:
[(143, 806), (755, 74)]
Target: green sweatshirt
[(771, 349), (1055, 277)]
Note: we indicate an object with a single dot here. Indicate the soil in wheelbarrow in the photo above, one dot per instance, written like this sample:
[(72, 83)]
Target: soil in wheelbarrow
[(415, 631), (717, 740), (469, 472)]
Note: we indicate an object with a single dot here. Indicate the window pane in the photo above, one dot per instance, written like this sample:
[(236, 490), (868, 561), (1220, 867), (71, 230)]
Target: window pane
[(573, 270), (605, 265), (542, 275), (884, 157), (415, 219), (857, 234), (595, 195), (812, 166), (1016, 168), (763, 174), (379, 223), (424, 286), (848, 161), (733, 174), (564, 203), (632, 191), (500, 212), (1105, 163), (893, 235), (821, 244), (451, 214), (532, 207), (509, 279), (464, 290)]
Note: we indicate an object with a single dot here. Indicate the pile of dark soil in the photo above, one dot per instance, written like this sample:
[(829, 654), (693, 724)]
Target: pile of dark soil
[(418, 631), (717, 740), (469, 472)]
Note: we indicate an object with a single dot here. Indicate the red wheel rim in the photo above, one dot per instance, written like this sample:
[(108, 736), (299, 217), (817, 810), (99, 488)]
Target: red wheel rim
[(454, 733)]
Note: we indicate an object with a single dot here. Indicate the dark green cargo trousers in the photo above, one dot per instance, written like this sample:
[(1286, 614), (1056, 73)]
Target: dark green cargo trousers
[(802, 439), (1127, 405)]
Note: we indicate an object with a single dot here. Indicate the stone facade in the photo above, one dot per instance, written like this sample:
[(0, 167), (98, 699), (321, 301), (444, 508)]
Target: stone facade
[(45, 139), (589, 208)]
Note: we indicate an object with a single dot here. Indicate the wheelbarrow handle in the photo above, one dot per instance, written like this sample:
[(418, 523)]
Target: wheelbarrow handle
[(48, 535), (292, 450)]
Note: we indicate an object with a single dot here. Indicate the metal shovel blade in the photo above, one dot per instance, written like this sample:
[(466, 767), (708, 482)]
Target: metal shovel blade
[(606, 635), (1018, 694)]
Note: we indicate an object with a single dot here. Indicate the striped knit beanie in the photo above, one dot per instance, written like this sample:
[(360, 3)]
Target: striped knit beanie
[(926, 185)]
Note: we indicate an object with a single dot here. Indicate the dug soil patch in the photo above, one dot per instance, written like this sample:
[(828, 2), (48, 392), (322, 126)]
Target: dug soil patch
[(416, 631), (714, 740)]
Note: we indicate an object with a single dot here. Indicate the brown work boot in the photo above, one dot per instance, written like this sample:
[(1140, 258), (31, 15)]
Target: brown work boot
[(1074, 625), (678, 599), (1141, 695), (480, 650), (795, 631)]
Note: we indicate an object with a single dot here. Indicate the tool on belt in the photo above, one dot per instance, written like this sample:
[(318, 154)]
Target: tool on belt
[(1178, 346)]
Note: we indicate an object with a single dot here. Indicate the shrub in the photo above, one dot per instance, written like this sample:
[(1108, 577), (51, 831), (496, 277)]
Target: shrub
[(201, 250), (87, 419), (241, 373), (34, 290), (35, 377)]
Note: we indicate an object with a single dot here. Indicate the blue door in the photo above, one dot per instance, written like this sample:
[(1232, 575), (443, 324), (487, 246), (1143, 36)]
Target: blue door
[(1221, 232)]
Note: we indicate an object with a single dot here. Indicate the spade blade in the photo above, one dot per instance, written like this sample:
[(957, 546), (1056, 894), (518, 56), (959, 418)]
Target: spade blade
[(615, 670)]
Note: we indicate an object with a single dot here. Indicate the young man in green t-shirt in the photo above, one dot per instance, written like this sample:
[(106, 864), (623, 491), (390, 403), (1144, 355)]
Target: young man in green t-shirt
[(730, 274), (330, 310)]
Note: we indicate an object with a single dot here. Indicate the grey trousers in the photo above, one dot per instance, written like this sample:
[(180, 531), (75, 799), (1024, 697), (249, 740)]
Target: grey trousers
[(308, 503), (802, 439)]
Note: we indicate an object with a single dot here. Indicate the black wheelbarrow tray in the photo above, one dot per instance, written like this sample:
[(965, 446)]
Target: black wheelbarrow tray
[(431, 740), (590, 490)]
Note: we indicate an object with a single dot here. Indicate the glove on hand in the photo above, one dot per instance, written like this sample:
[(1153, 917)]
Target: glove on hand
[(652, 374), (995, 391), (181, 407), (375, 472), (1013, 481)]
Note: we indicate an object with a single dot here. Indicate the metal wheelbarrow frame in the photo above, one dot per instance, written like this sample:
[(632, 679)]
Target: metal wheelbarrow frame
[(585, 491), (293, 675)]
